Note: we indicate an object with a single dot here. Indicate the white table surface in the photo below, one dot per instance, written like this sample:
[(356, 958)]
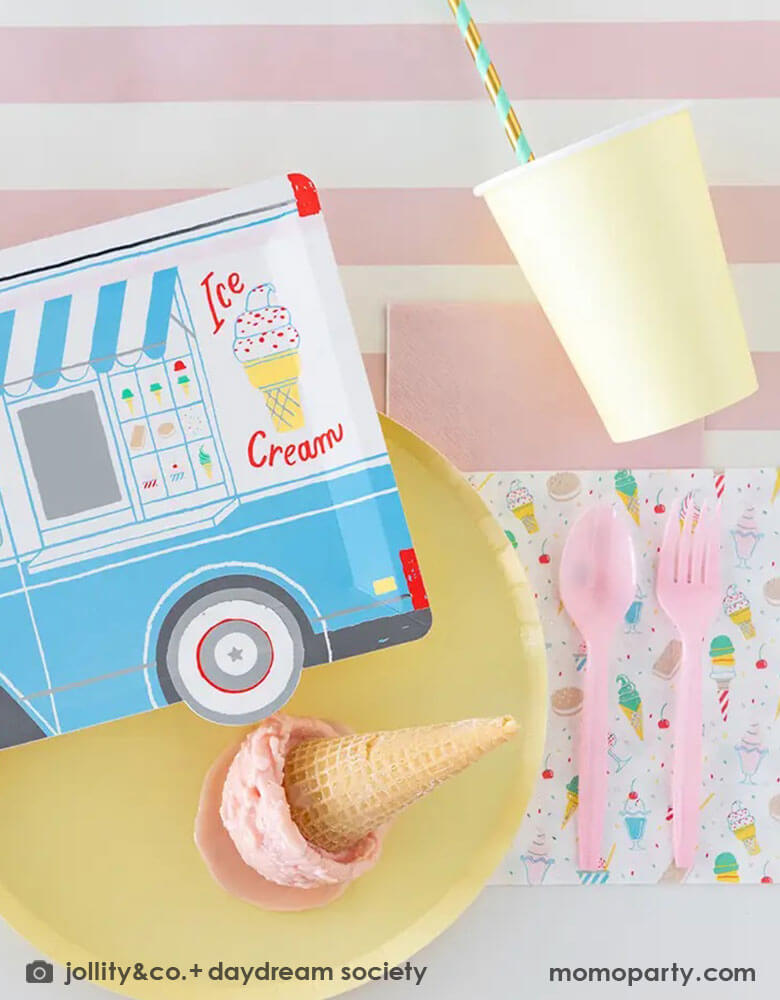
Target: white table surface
[(506, 941)]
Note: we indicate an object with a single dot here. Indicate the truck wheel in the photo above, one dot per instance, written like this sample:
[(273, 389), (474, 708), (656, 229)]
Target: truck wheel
[(232, 652)]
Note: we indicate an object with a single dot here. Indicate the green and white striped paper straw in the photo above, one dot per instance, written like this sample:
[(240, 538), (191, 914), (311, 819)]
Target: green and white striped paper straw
[(487, 71)]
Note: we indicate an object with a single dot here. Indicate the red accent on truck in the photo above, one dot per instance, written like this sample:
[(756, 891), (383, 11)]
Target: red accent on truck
[(305, 193), (414, 578)]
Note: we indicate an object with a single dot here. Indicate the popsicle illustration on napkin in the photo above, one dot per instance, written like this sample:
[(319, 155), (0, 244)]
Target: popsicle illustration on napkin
[(742, 824)]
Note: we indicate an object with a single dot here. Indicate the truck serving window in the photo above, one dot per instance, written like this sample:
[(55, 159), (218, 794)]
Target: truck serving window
[(69, 455)]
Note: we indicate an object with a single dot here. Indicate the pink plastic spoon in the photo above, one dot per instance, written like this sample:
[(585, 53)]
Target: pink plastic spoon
[(597, 584)]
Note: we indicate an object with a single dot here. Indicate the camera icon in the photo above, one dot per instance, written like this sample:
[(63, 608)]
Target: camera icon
[(39, 972)]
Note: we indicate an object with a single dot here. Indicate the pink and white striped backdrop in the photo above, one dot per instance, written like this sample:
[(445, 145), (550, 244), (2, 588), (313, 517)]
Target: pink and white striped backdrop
[(108, 108)]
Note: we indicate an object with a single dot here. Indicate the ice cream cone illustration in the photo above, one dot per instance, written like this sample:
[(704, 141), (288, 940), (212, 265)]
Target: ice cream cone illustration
[(630, 704), (182, 378), (205, 462), (156, 390), (628, 491), (742, 824), (341, 789), (723, 670), (776, 490), (726, 868), (520, 501), (689, 505), (737, 607), (267, 345), (572, 799), (127, 399)]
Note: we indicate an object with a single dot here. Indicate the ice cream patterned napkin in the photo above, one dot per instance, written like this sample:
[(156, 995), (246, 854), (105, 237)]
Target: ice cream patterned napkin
[(740, 796)]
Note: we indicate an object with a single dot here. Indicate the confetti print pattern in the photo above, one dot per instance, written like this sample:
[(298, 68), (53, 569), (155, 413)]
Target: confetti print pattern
[(740, 795)]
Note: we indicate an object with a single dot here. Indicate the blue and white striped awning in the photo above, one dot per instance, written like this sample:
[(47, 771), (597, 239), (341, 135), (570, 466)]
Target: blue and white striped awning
[(48, 340)]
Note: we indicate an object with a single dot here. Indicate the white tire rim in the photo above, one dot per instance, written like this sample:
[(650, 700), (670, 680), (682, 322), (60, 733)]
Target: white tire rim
[(237, 619)]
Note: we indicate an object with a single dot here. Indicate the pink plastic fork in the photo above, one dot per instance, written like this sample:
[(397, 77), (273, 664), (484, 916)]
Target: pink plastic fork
[(688, 588)]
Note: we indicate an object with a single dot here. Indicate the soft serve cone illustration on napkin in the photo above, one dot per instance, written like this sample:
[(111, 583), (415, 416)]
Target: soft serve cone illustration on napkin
[(520, 501), (266, 344), (630, 703), (628, 491), (737, 607), (572, 799), (742, 824)]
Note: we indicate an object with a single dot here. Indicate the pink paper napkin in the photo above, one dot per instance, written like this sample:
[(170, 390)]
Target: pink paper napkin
[(490, 386)]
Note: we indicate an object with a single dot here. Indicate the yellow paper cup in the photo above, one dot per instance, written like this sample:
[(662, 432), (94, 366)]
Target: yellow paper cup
[(618, 240)]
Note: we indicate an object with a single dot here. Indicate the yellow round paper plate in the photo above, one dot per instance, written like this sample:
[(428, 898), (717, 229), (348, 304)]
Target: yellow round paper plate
[(97, 861)]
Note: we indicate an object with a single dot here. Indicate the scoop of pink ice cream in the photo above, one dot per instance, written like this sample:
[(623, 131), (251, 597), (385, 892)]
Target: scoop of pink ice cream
[(256, 814)]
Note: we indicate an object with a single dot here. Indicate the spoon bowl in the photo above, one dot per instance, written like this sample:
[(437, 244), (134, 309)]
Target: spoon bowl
[(598, 572)]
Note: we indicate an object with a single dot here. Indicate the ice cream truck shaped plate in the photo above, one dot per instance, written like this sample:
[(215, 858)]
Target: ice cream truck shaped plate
[(196, 499)]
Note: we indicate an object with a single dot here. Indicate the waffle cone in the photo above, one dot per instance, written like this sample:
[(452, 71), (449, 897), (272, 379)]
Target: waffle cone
[(277, 378), (284, 405), (744, 618), (572, 801), (267, 372), (526, 514), (747, 835), (341, 789), (631, 503), (635, 718)]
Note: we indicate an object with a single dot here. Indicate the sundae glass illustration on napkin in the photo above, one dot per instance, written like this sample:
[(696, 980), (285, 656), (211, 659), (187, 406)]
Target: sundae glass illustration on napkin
[(266, 345), (536, 859), (746, 537), (750, 752), (635, 813)]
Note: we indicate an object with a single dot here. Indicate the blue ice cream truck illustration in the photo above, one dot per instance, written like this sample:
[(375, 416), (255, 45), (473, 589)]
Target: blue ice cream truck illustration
[(196, 500)]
